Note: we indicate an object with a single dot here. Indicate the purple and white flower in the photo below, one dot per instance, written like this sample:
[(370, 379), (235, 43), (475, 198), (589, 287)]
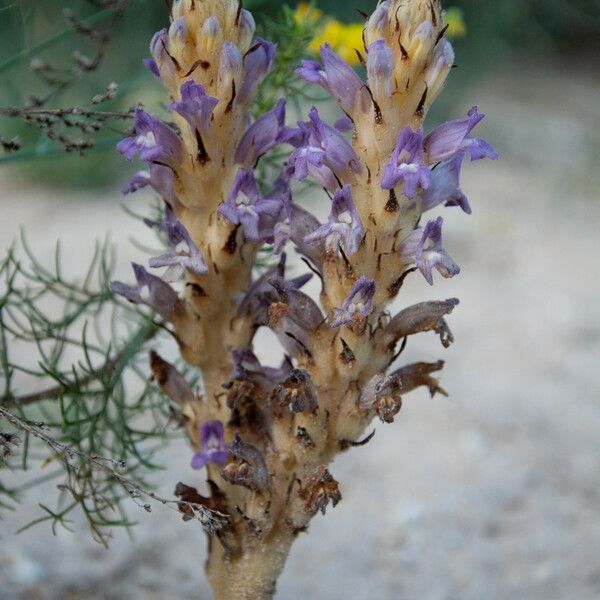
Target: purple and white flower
[(212, 446), (323, 152), (196, 107), (152, 291), (343, 226), (445, 186), (245, 207), (265, 133), (153, 141), (455, 136), (406, 164), (357, 306), (177, 260), (431, 254), (336, 76), (159, 177)]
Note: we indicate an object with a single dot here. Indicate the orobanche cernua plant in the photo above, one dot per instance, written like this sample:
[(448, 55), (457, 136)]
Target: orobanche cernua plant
[(265, 436)]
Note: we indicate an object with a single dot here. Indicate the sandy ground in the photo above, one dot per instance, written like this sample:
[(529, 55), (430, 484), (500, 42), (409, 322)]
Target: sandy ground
[(488, 495)]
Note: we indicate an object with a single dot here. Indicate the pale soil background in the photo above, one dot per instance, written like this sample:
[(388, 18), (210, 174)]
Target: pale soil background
[(492, 494)]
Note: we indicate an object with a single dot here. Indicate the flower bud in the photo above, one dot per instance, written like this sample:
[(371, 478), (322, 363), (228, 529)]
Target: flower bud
[(380, 67), (230, 70), (177, 35), (438, 70), (211, 35), (247, 27)]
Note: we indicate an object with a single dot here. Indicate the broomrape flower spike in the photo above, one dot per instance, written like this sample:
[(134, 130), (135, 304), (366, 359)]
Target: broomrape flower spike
[(266, 436)]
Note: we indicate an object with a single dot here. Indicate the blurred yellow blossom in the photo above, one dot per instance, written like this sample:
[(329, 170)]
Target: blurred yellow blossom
[(343, 37), (456, 22), (305, 11)]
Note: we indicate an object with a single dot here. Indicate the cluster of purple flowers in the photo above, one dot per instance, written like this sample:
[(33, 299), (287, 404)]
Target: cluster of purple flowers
[(422, 170)]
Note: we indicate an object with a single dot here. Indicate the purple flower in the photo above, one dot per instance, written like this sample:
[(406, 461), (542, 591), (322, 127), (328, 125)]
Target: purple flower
[(152, 291), (153, 141), (245, 207), (178, 262), (454, 136), (246, 367), (212, 446), (255, 302), (335, 75), (160, 178), (257, 63), (196, 107), (343, 225), (406, 164), (265, 133), (434, 255), (151, 65), (358, 305), (445, 187), (323, 152), (158, 49)]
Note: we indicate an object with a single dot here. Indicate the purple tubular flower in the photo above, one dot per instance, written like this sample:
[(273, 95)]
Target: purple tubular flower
[(151, 65), (265, 133), (406, 164), (178, 262), (150, 290), (434, 255), (454, 136), (380, 67), (160, 178), (259, 296), (445, 187), (153, 141), (343, 225), (323, 152), (335, 75), (245, 207), (195, 106), (344, 124), (140, 180), (247, 367), (257, 63), (358, 305), (212, 444), (158, 49)]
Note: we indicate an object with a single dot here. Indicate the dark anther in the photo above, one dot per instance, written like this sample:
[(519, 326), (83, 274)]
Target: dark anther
[(199, 63), (239, 12), (346, 354), (233, 93), (392, 203), (419, 111), (197, 290), (376, 109), (345, 444), (231, 244), (177, 65), (395, 287), (203, 157), (441, 34)]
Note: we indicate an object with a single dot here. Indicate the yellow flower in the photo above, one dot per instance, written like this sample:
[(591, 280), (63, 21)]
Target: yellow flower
[(304, 12), (456, 22), (343, 38)]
